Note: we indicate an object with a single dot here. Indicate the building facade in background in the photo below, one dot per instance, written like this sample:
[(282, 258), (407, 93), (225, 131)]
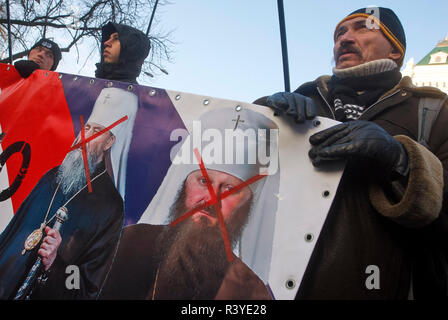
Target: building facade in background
[(432, 70)]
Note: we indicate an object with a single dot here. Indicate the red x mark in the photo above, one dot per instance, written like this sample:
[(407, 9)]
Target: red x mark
[(83, 145), (215, 202)]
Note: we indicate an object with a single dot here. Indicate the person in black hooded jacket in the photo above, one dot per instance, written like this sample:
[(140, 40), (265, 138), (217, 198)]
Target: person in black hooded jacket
[(123, 51)]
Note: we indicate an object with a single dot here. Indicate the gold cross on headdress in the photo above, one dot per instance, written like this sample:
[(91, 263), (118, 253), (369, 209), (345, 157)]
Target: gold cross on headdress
[(105, 98), (237, 122)]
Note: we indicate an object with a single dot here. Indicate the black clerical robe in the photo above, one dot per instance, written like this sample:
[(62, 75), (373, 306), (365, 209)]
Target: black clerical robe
[(134, 273), (89, 237)]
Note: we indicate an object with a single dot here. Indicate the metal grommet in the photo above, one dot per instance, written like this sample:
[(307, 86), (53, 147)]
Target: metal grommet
[(60, 76), (404, 94), (206, 102), (309, 237), (326, 194), (92, 81), (75, 78), (316, 123), (238, 108), (130, 87), (290, 284), (7, 68), (110, 84), (178, 97), (152, 93)]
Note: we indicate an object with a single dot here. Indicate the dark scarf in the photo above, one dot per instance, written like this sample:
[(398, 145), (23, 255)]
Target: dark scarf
[(117, 71), (351, 96)]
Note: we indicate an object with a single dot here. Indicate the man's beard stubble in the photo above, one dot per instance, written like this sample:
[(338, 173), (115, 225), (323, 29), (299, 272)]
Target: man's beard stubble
[(193, 255), (71, 173)]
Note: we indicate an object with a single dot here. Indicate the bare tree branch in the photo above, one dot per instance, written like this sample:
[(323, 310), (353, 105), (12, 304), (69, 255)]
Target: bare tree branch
[(42, 24), (78, 20)]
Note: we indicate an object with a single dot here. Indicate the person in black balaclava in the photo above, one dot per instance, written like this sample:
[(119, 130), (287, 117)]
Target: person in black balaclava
[(123, 51)]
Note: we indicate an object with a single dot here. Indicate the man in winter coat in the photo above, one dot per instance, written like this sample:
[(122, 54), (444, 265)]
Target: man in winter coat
[(385, 236), (123, 51)]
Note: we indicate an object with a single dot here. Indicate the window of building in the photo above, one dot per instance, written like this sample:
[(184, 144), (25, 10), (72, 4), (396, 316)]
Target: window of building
[(439, 57)]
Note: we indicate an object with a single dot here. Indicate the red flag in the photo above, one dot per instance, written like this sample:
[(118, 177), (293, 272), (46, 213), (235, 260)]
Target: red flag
[(34, 110)]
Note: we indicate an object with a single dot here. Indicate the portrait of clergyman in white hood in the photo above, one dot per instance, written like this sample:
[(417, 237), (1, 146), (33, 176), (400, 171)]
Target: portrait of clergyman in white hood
[(115, 106), (171, 255)]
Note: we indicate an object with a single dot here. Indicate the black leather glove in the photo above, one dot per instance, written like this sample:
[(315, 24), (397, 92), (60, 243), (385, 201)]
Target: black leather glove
[(26, 67), (360, 139), (295, 105)]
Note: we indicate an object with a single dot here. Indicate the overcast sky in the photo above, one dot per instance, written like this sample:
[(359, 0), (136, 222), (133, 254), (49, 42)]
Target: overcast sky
[(231, 49)]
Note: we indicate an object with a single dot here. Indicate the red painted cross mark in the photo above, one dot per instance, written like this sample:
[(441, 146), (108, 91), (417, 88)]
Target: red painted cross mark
[(215, 202), (83, 145)]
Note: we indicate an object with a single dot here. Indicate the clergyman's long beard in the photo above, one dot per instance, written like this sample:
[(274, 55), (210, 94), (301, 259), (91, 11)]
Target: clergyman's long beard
[(71, 174), (194, 260)]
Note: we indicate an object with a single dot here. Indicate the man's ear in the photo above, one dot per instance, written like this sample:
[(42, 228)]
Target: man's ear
[(395, 54), (110, 142)]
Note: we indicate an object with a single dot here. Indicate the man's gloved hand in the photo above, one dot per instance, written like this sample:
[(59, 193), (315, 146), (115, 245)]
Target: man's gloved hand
[(363, 139), (295, 105), (26, 67)]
